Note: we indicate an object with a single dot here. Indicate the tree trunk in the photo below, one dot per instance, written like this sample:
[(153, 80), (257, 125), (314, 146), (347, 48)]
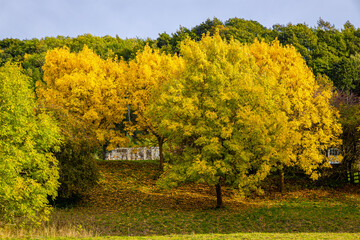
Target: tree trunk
[(282, 180), (161, 155), (219, 202), (104, 151)]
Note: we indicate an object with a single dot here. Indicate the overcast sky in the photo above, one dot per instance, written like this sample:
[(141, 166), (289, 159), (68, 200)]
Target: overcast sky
[(26, 19)]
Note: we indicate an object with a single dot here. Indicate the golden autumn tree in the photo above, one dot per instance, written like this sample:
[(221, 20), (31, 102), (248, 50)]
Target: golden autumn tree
[(312, 124), (220, 115), (87, 94), (146, 75), (232, 118)]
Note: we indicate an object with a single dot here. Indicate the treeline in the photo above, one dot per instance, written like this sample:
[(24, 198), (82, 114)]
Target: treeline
[(327, 50)]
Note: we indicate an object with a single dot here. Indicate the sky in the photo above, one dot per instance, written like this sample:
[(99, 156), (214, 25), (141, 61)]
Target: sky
[(27, 19)]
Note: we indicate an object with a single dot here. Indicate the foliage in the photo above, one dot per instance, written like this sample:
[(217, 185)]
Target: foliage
[(311, 124), (245, 31), (87, 88), (107, 47), (77, 164), (302, 37), (146, 75), (237, 111), (28, 170), (218, 118), (31, 53), (207, 27), (87, 95), (349, 108), (325, 48)]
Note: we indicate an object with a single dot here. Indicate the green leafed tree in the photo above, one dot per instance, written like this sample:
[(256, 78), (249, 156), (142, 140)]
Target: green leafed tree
[(244, 31), (348, 105), (28, 170)]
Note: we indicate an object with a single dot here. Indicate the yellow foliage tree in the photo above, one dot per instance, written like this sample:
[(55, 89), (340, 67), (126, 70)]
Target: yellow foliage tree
[(86, 89), (220, 117), (311, 125), (236, 111), (87, 95), (146, 75)]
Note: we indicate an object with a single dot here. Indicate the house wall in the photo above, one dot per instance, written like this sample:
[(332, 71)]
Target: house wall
[(141, 153)]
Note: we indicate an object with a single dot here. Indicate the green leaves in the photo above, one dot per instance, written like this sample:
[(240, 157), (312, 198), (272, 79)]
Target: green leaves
[(28, 171)]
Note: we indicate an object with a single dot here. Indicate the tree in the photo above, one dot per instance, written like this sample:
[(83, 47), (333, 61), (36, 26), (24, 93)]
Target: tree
[(88, 96), (245, 31), (330, 50), (179, 36), (348, 105), (207, 27), (311, 125), (163, 42), (146, 75), (351, 38), (237, 111), (300, 36), (107, 47), (28, 169), (32, 65), (219, 118), (345, 75)]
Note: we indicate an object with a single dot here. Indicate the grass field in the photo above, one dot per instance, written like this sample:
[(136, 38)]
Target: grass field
[(127, 203)]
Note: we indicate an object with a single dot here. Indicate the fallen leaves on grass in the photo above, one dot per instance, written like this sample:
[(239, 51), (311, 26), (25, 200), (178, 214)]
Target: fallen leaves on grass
[(127, 202)]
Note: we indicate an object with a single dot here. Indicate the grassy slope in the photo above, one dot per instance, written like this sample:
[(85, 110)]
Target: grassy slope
[(127, 203)]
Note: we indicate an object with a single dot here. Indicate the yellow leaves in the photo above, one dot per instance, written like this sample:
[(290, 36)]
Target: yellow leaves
[(243, 109), (211, 115), (206, 172), (312, 123), (188, 130), (249, 104), (226, 132), (86, 87), (147, 75)]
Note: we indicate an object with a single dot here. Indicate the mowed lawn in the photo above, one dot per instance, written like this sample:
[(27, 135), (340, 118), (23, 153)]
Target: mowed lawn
[(127, 202)]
